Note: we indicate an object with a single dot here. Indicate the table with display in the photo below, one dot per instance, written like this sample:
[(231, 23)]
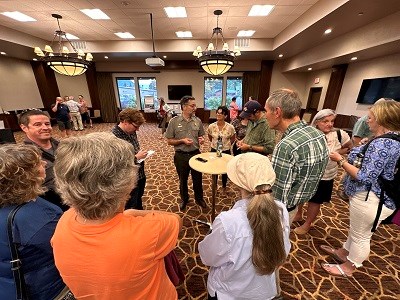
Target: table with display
[(210, 163)]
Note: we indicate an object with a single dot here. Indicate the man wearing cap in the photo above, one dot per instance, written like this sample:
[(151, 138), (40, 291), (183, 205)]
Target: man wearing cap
[(259, 137), (300, 158), (186, 133)]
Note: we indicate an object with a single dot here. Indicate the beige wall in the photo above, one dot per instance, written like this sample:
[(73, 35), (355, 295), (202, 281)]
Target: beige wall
[(18, 88), (380, 67), (73, 86), (324, 76)]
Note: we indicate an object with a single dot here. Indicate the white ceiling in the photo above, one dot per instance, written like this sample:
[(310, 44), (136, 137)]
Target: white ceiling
[(294, 28)]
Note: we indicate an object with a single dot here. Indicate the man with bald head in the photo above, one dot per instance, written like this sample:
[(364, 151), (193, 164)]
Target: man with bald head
[(62, 117)]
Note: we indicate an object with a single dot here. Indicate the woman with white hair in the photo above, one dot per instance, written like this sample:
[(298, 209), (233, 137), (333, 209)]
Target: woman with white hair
[(102, 251), (339, 141), (249, 241)]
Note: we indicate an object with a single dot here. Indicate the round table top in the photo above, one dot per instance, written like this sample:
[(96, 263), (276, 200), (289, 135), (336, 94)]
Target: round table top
[(214, 165)]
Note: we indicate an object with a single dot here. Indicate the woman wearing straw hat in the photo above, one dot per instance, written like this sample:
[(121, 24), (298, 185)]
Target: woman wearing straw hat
[(240, 268)]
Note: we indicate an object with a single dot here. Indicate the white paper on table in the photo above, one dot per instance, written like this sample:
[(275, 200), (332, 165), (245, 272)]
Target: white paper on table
[(149, 153)]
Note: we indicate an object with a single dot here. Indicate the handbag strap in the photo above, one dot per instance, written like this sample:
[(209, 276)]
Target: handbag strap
[(15, 261)]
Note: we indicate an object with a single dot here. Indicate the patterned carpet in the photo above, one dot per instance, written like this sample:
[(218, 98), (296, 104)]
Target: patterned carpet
[(301, 276)]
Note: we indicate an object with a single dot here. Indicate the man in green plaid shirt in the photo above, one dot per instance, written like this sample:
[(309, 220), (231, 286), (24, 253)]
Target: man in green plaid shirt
[(300, 158)]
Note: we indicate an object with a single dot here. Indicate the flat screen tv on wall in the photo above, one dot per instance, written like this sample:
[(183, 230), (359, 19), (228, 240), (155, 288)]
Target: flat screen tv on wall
[(176, 92), (373, 89)]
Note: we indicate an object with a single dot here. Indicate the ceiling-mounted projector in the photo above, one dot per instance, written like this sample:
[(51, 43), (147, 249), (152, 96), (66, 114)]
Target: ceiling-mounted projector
[(155, 62)]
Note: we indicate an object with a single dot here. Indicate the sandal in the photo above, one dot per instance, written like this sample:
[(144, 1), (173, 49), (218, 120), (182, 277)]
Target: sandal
[(301, 230), (338, 267), (331, 251)]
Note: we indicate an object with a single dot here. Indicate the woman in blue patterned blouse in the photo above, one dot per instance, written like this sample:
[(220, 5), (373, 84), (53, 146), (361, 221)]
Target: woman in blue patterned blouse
[(361, 185)]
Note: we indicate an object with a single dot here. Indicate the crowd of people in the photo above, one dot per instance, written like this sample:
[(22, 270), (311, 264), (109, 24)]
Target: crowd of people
[(77, 220)]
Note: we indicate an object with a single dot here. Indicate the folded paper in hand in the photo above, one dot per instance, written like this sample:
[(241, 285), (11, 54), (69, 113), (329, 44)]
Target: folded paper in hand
[(149, 153)]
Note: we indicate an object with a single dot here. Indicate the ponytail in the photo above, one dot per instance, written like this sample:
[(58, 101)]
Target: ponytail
[(268, 247)]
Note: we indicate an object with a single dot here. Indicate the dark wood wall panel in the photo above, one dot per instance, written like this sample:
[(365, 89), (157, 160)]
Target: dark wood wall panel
[(92, 86), (335, 86), (265, 81), (46, 82)]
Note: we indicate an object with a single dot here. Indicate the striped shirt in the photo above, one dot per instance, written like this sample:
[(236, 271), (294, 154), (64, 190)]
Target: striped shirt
[(299, 161), (132, 139)]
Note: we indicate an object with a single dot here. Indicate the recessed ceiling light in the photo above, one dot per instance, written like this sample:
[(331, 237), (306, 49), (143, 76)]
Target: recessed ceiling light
[(3, 53), (280, 55), (309, 69), (124, 35), (95, 14), (328, 31), (35, 59), (184, 34), (360, 13), (164, 56), (354, 58), (106, 57), (175, 12), (260, 10), (245, 33), (16, 15)]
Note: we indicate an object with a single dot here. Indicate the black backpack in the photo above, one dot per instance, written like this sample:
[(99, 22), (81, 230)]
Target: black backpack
[(389, 187)]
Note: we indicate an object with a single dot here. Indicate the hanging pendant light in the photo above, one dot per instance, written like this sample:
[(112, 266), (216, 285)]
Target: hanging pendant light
[(62, 61), (212, 60)]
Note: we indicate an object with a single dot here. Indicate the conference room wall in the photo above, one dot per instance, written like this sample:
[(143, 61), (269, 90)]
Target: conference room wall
[(18, 88), (73, 86), (386, 66)]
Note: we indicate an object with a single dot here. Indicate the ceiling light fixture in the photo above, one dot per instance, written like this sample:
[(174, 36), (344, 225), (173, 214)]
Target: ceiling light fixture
[(246, 33), (328, 31), (353, 58), (124, 35), (216, 62), (16, 15), (95, 14), (62, 62), (280, 55), (3, 53), (184, 34), (175, 12), (260, 10), (309, 69), (154, 61)]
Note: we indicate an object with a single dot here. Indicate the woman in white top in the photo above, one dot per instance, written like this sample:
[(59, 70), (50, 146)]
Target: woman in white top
[(250, 241), (226, 131), (338, 141)]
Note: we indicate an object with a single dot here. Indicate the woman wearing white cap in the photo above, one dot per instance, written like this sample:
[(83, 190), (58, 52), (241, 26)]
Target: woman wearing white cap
[(250, 241), (339, 141)]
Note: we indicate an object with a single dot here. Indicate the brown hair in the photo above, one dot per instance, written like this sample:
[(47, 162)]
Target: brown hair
[(268, 246), (132, 116), (23, 117), (19, 174), (95, 173)]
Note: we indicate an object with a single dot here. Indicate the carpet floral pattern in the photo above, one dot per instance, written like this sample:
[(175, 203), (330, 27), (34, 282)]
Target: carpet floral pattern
[(301, 275)]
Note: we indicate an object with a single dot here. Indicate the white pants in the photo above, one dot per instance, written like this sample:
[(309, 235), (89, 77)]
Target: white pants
[(76, 120), (362, 216)]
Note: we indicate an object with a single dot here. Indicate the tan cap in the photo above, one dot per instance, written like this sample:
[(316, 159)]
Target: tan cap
[(250, 170)]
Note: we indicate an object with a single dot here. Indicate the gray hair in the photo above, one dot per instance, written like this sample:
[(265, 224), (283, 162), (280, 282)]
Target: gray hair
[(288, 100), (322, 114), (95, 173)]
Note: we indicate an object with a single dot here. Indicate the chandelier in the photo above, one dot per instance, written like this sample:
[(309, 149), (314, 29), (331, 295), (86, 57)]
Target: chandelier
[(62, 61), (213, 61)]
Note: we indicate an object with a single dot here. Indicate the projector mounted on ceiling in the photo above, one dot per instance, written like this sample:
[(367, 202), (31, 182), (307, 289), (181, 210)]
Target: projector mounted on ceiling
[(154, 61)]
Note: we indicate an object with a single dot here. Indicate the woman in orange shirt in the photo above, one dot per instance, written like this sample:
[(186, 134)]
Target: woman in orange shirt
[(102, 251)]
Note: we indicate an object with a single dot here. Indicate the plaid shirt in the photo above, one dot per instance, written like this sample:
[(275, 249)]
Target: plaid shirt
[(132, 139), (299, 161)]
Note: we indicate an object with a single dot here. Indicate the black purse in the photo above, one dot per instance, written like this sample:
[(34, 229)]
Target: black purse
[(15, 261)]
